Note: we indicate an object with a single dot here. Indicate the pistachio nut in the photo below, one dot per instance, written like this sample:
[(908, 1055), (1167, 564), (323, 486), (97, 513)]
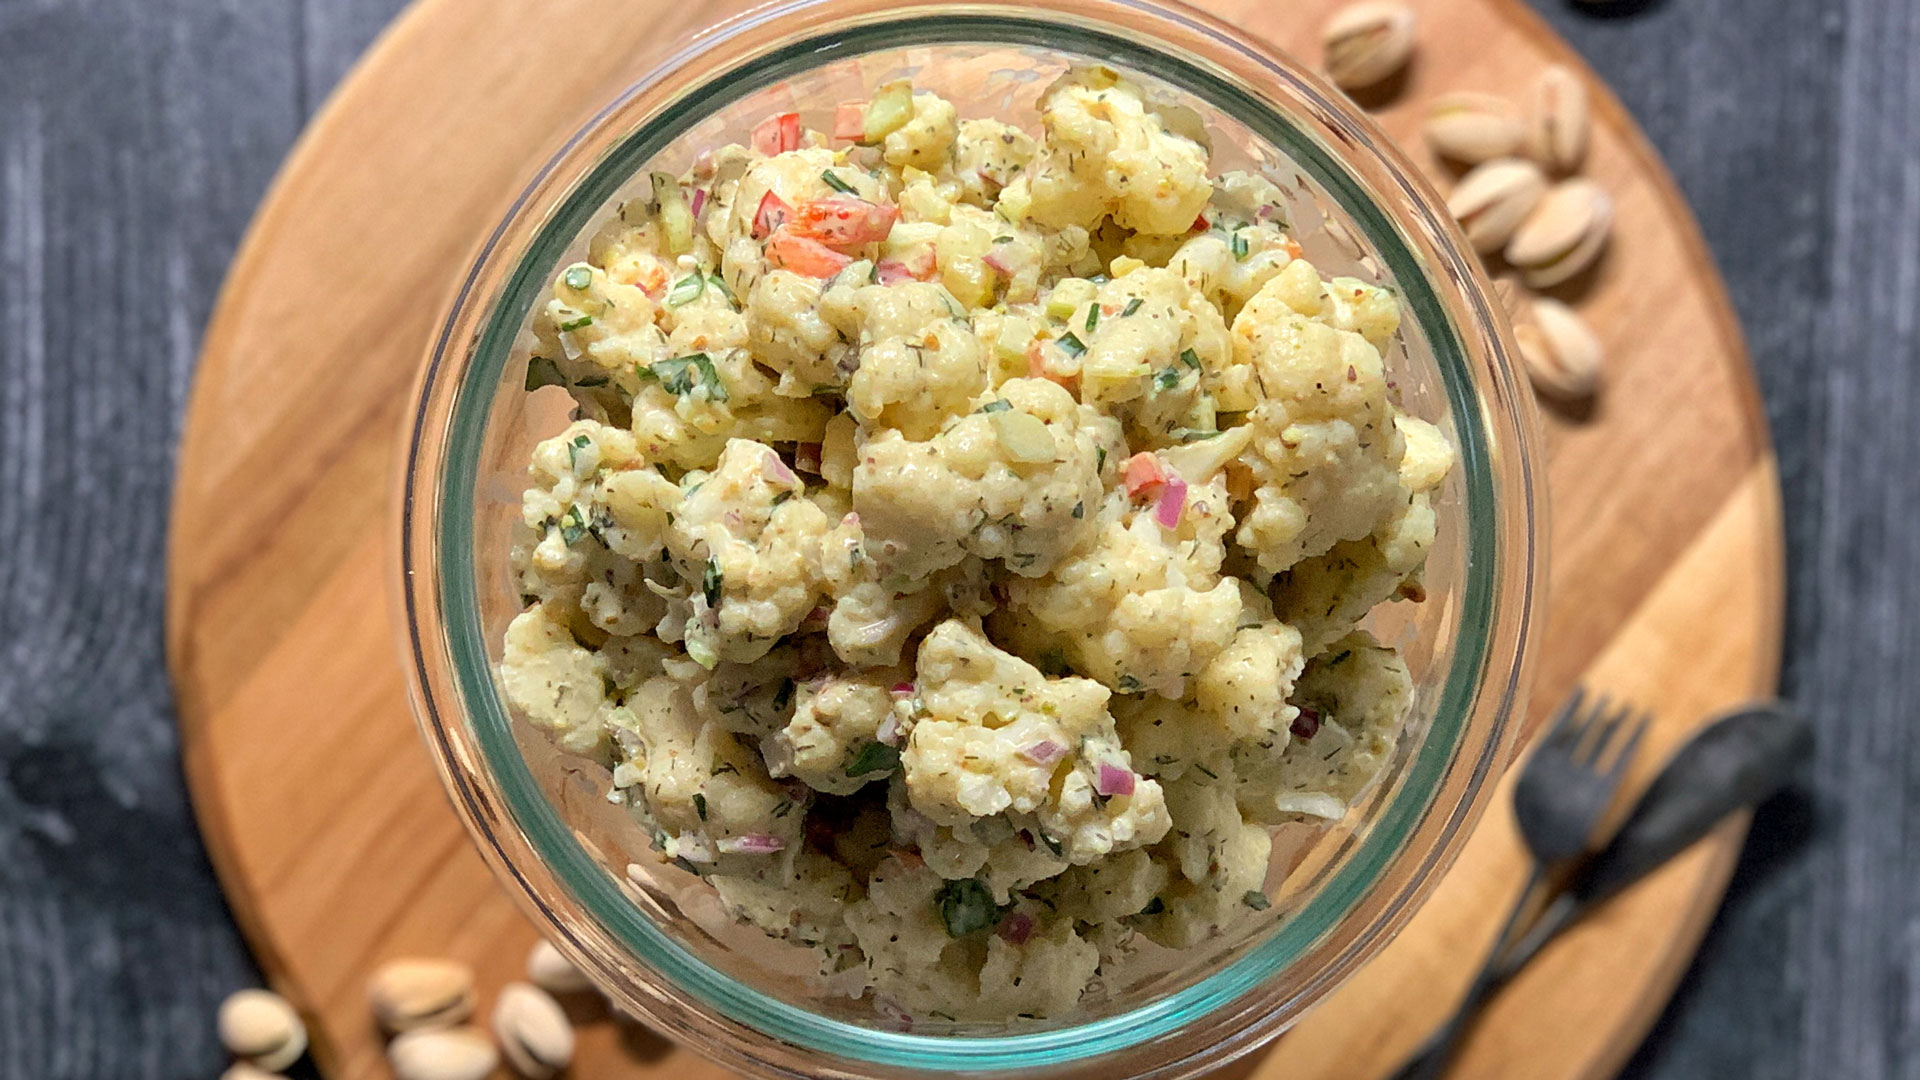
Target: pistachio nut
[(1491, 201), (533, 1031), (550, 970), (260, 1028), (1366, 42), (458, 1053), (409, 994), (1558, 120), (1560, 350), (1472, 128), (1563, 235)]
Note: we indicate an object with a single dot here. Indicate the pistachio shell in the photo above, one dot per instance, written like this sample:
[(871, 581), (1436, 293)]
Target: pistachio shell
[(1472, 128), (409, 994), (1563, 235), (550, 970), (1558, 119), (244, 1070), (1491, 201), (261, 1028), (533, 1031), (1561, 352), (460, 1053), (1367, 42)]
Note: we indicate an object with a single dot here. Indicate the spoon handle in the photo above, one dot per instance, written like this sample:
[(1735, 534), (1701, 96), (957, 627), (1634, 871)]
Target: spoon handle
[(1431, 1061)]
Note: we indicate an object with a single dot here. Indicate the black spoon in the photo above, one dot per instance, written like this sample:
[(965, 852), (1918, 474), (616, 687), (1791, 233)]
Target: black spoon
[(1736, 762)]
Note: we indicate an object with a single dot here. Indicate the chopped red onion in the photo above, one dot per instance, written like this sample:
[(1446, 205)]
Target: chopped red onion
[(888, 733), (1016, 928), (1114, 780), (993, 259), (1044, 752), (777, 470), (1172, 498), (751, 844), (1307, 724), (699, 200), (902, 689)]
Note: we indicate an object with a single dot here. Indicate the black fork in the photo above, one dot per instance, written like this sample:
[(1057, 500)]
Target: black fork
[(1563, 792)]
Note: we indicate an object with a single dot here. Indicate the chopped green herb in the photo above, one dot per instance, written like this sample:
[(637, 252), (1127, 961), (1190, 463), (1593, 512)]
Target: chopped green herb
[(677, 376), (700, 805), (1206, 770), (1127, 684), (573, 526), (874, 758), (1079, 510), (1256, 900), (723, 767), (1166, 378), (1052, 844), (997, 405), (966, 906), (578, 277), (1133, 305), (1100, 458), (1190, 358), (711, 582), (719, 283), (837, 184), (579, 443), (686, 290), (1238, 242), (1093, 317), (542, 371), (1154, 907), (1003, 239), (783, 808), (580, 323), (780, 497), (784, 694), (1071, 345), (591, 380)]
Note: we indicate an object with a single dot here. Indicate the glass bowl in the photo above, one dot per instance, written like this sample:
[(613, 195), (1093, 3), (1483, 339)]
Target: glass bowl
[(655, 939)]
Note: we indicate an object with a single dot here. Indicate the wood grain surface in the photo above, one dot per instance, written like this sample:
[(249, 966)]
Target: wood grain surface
[(280, 548), (125, 180)]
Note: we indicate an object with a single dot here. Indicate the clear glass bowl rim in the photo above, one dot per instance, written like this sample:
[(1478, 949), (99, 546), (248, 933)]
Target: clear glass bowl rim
[(1229, 1011)]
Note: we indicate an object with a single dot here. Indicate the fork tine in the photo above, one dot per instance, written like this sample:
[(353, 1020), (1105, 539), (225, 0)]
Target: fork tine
[(1566, 724), (1600, 732), (1624, 751)]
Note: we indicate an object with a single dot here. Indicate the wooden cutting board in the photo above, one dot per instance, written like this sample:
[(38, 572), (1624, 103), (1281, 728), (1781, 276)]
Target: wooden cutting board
[(318, 801)]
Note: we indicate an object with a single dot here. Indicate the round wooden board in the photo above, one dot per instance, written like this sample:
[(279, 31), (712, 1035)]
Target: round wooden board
[(319, 804)]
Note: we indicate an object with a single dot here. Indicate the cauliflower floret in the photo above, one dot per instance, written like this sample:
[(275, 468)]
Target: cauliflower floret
[(749, 551), (756, 698), (987, 157), (926, 140), (1326, 453), (872, 616), (1109, 890), (707, 794), (1354, 697), (806, 904), (919, 364), (1001, 852), (997, 736), (930, 950), (554, 682), (1228, 268), (832, 743), (572, 551), (1238, 700), (604, 327), (1013, 481), (1106, 152), (1222, 863), (1329, 594), (1149, 344), (1142, 607), (790, 335)]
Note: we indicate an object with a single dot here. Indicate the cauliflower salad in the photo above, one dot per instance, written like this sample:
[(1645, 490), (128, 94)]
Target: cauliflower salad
[(958, 550)]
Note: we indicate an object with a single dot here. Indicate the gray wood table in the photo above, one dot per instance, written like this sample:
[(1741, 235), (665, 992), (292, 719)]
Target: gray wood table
[(136, 137)]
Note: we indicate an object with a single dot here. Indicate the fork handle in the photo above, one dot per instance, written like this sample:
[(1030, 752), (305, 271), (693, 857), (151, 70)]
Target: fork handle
[(1431, 1060)]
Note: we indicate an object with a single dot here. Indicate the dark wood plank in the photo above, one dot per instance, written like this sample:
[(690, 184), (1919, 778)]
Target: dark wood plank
[(136, 135)]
